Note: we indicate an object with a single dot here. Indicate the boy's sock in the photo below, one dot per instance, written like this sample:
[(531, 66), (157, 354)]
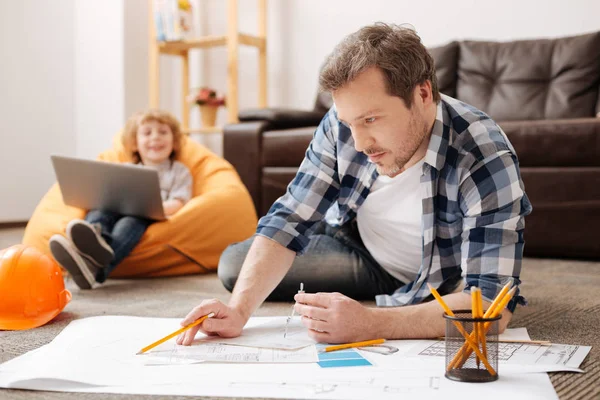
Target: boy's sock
[(81, 268), (88, 239)]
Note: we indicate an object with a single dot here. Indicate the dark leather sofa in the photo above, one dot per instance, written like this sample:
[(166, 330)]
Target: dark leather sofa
[(543, 93)]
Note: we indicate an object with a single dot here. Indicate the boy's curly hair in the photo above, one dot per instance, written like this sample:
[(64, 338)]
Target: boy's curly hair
[(128, 138)]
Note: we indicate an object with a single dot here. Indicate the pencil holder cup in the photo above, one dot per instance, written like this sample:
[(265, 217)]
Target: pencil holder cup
[(474, 359)]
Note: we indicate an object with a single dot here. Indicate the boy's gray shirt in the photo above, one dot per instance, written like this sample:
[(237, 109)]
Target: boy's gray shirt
[(175, 180)]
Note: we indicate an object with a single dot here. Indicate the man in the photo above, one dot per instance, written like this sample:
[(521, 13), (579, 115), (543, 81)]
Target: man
[(416, 188)]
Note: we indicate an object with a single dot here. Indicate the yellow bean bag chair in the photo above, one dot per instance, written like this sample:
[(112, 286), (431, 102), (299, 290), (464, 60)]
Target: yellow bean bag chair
[(220, 212)]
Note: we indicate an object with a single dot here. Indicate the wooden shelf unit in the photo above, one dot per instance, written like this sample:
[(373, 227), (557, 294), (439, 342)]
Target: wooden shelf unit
[(232, 40), (208, 129)]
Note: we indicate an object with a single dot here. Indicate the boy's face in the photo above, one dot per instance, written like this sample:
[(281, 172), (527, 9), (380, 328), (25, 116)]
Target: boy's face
[(154, 142), (382, 126)]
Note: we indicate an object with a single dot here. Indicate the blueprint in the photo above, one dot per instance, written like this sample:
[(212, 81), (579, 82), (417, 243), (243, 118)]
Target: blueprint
[(170, 353), (98, 355), (557, 357), (269, 334)]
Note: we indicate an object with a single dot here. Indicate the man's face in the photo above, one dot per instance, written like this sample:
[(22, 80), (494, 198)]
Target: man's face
[(382, 126)]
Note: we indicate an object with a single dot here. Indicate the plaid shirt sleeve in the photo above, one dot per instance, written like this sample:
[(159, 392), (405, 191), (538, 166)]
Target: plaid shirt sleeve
[(494, 204), (311, 193)]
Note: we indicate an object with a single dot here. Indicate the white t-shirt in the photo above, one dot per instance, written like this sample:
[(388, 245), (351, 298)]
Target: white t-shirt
[(389, 223)]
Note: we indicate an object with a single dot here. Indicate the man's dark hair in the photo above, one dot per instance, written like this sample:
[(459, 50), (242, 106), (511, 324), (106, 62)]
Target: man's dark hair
[(396, 50)]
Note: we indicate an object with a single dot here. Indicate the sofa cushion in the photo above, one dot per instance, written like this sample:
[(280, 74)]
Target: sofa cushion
[(294, 141), (555, 143), (531, 79), (446, 65), (565, 201)]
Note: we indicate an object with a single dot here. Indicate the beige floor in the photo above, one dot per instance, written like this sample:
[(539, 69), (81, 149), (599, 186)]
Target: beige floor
[(563, 308)]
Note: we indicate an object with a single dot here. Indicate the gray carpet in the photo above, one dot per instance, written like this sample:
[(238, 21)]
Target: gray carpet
[(563, 307)]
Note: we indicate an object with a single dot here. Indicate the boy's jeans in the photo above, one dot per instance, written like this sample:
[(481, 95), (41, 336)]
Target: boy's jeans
[(121, 232)]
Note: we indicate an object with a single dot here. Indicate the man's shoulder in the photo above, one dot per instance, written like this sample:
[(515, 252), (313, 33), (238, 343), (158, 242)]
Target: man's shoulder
[(473, 133)]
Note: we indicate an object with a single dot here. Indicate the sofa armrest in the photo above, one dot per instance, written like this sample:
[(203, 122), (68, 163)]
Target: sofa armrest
[(242, 147), (282, 118)]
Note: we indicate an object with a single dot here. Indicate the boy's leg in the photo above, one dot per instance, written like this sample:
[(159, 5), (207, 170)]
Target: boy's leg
[(92, 236), (335, 261), (106, 219), (81, 268), (125, 235)]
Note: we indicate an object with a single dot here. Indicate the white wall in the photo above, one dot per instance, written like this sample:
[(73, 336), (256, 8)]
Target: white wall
[(99, 75), (311, 29), (36, 99), (302, 32), (135, 56), (72, 71)]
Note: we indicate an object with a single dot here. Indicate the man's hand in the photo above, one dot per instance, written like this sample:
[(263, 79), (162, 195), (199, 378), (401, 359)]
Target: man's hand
[(335, 318), (227, 322)]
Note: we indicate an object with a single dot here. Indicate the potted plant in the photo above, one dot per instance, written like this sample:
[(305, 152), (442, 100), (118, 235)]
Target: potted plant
[(206, 98)]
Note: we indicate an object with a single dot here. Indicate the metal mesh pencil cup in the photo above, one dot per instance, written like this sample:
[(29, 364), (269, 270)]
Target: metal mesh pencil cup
[(462, 362)]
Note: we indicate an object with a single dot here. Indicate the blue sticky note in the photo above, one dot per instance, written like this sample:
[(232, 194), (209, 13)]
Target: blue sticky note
[(342, 358)]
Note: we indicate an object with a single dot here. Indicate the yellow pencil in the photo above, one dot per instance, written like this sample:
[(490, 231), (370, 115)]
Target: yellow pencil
[(475, 314), (465, 352), (350, 345), (177, 332), (468, 339), (488, 313), (482, 332), (497, 300), (532, 342)]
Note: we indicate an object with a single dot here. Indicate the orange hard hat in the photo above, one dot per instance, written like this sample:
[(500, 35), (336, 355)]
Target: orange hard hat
[(32, 290)]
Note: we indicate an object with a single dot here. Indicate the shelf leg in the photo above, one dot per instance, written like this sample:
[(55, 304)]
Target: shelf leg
[(185, 90), (153, 60), (233, 42), (262, 54)]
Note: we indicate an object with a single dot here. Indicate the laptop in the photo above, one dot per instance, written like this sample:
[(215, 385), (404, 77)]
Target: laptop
[(126, 189)]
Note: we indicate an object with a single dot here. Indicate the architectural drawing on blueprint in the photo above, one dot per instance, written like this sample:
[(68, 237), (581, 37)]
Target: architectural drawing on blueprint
[(371, 385), (522, 353), (269, 335), (170, 353)]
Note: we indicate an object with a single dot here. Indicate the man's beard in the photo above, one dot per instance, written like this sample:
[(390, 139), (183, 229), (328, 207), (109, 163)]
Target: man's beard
[(418, 132)]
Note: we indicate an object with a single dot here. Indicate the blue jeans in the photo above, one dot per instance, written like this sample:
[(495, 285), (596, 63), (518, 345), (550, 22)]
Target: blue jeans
[(336, 260), (121, 232)]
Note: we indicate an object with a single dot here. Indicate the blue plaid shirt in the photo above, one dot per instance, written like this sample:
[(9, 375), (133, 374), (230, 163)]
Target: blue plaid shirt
[(474, 201)]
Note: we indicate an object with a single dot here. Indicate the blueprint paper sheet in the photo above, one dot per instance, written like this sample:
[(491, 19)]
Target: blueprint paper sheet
[(98, 355)]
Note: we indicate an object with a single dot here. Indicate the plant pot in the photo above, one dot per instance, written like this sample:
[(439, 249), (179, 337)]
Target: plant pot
[(208, 115)]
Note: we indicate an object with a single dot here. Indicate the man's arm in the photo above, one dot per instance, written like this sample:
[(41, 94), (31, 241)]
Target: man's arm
[(494, 205), (281, 234), (265, 266), (335, 318), (426, 320)]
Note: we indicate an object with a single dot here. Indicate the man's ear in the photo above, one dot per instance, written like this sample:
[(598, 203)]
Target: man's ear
[(423, 92)]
